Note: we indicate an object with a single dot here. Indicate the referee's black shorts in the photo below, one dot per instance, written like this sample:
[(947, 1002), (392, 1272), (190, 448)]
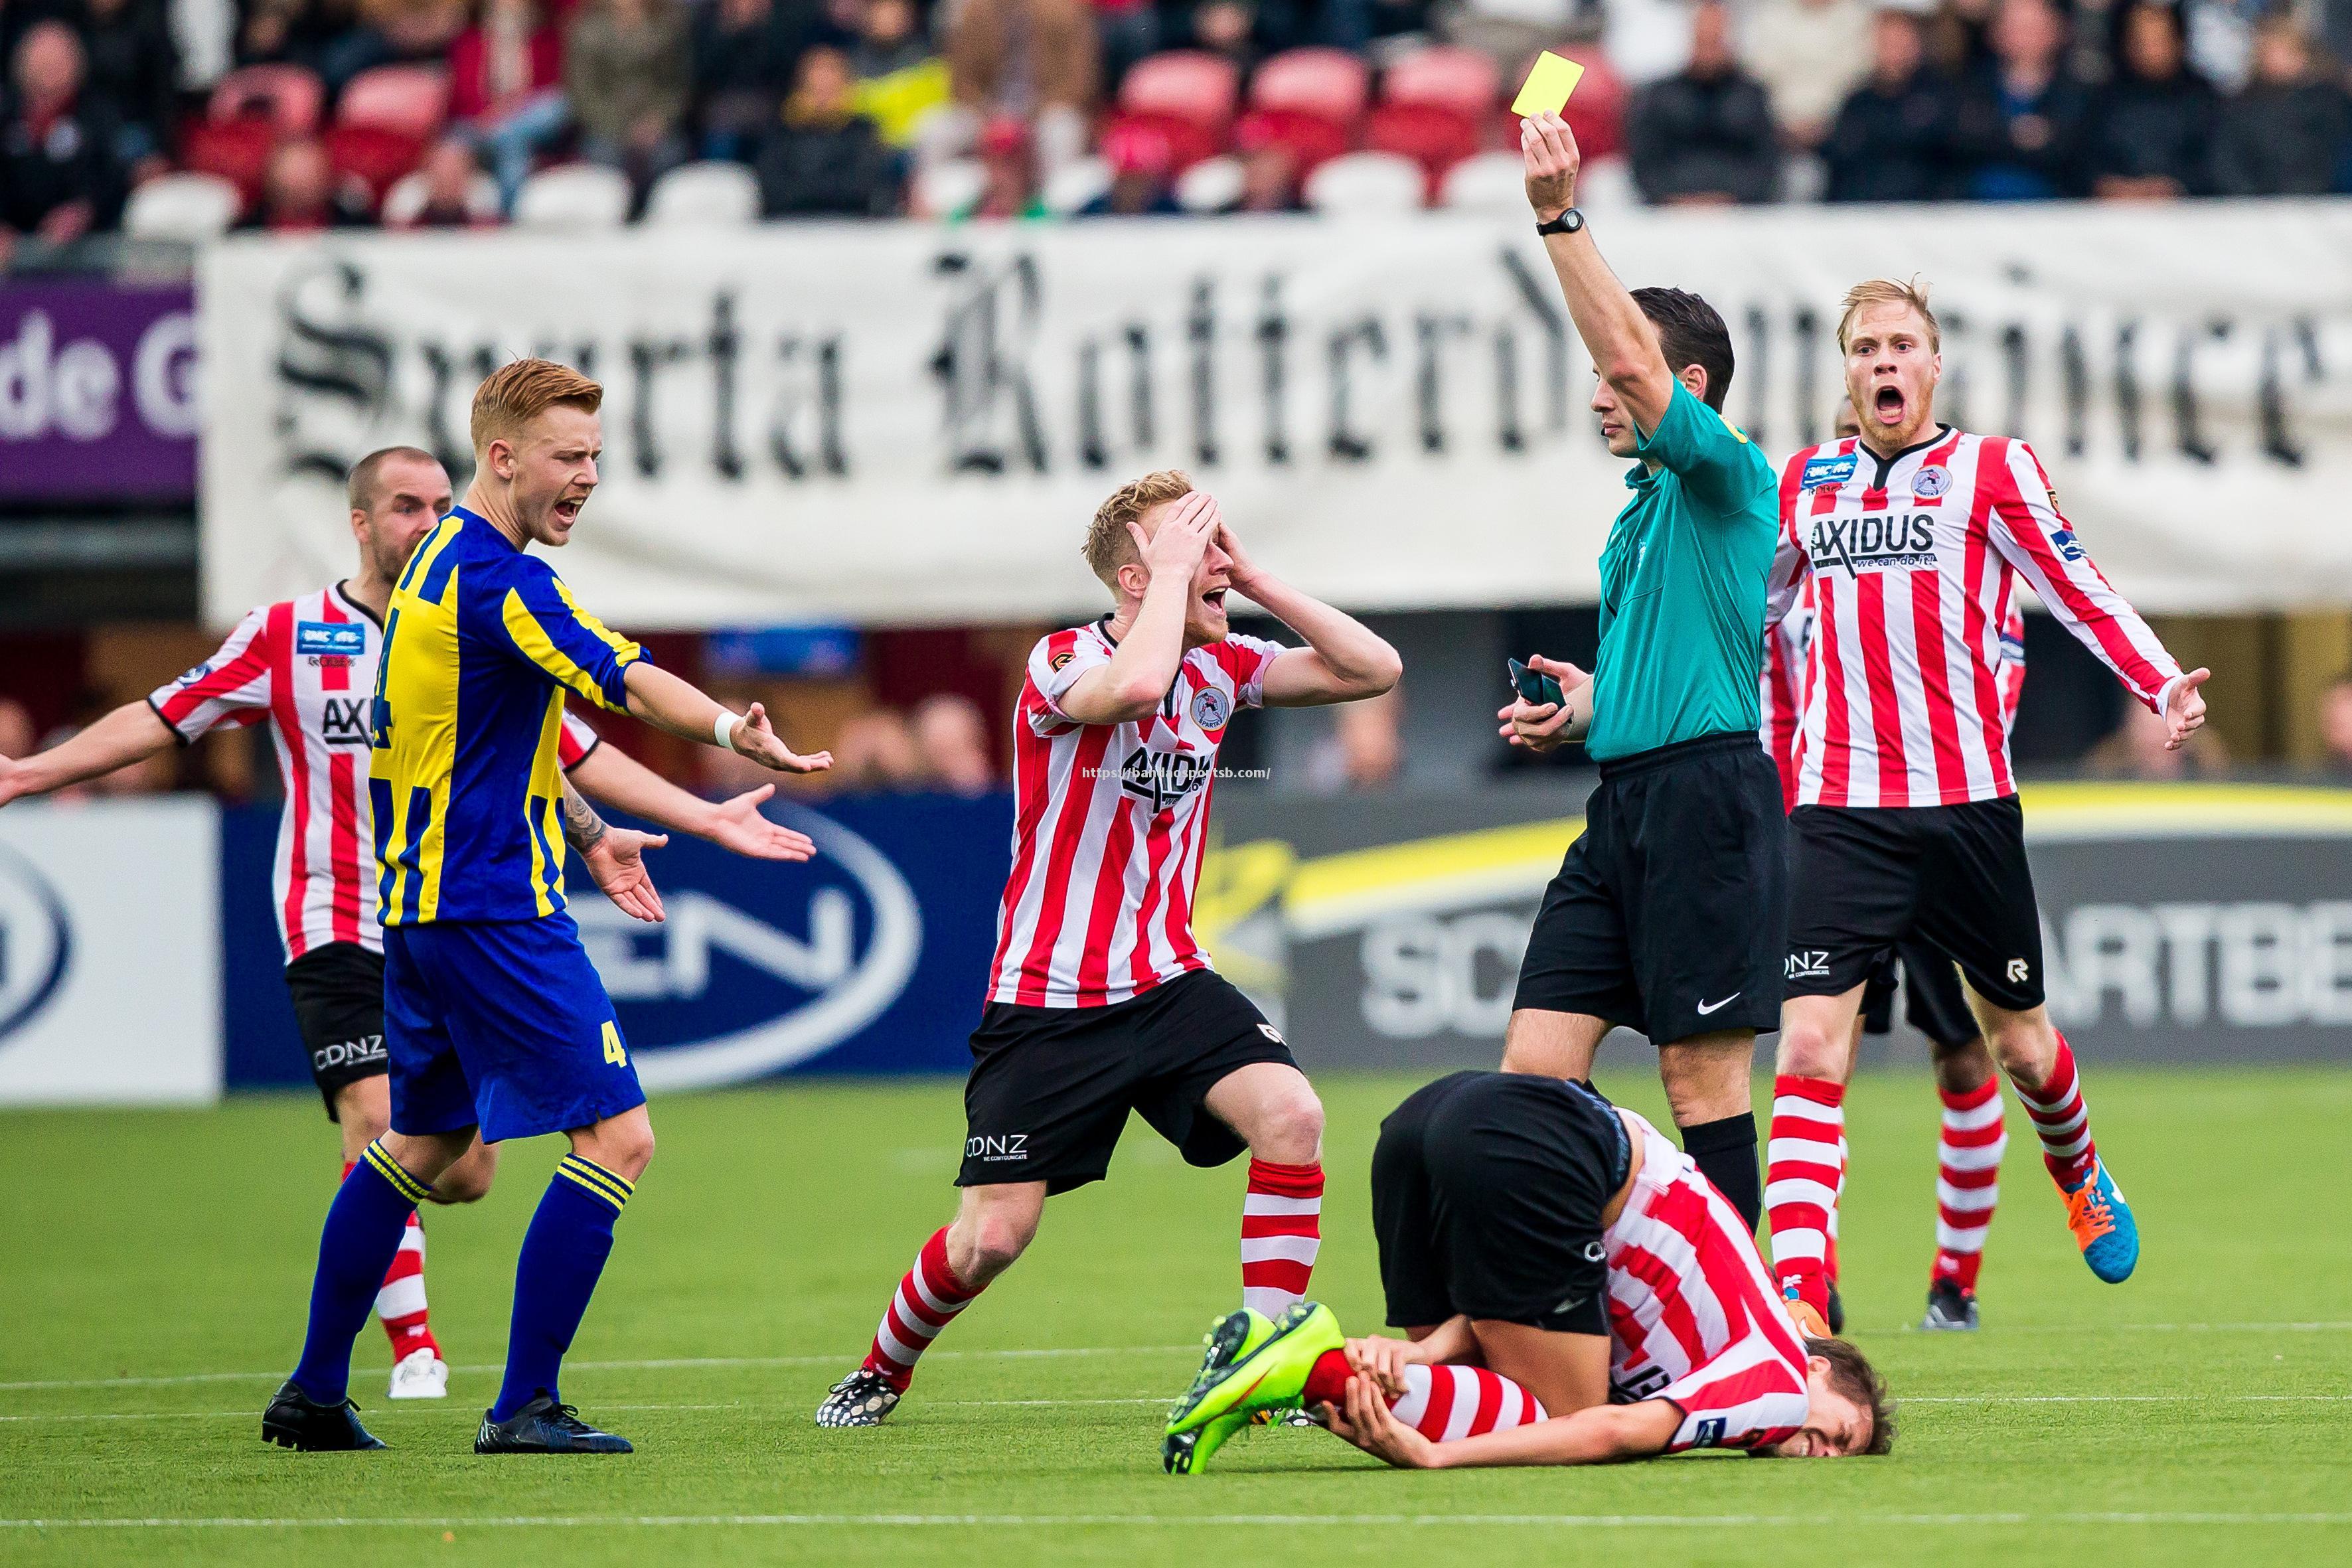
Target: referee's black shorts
[(1669, 915)]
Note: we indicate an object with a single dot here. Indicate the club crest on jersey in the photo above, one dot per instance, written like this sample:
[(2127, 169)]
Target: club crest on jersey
[(1932, 483), (1210, 708), (1875, 542), (1163, 779), (1820, 471), (348, 638), (198, 673)]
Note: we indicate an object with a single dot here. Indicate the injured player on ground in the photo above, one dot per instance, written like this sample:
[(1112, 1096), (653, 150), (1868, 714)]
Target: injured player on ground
[(1573, 1292)]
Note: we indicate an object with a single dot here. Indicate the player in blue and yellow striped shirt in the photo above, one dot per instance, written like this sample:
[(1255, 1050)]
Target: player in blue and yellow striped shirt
[(494, 1018)]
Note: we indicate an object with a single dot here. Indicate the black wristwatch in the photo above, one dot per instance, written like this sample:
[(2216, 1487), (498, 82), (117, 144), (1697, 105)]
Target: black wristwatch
[(1568, 222)]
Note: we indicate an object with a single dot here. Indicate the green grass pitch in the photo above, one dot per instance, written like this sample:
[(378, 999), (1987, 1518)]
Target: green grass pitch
[(154, 1269)]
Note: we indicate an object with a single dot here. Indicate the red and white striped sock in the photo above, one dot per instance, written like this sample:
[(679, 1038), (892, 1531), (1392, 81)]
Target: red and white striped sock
[(1837, 1206), (2062, 1118), (1967, 1179), (1282, 1230), (400, 1300), (1441, 1403), (1801, 1171), (928, 1297)]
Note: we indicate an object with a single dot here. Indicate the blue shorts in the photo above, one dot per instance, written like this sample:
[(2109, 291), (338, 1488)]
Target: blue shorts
[(501, 1024)]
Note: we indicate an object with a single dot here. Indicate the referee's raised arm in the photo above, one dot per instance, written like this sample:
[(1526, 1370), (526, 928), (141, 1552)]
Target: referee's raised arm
[(1623, 345)]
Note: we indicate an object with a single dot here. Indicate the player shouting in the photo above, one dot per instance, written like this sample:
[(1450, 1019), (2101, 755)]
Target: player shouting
[(1575, 1290), (496, 1024), (1914, 534), (1100, 1001), (307, 666)]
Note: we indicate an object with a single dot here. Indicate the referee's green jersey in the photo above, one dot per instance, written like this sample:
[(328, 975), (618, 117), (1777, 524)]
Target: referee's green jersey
[(1682, 588)]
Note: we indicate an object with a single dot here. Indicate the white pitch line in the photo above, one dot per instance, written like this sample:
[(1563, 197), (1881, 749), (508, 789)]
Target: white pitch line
[(657, 1363), (1252, 1520)]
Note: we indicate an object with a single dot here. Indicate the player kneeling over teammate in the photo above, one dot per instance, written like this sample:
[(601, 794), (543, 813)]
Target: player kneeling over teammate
[(1576, 1292), (494, 1023), (1100, 1001)]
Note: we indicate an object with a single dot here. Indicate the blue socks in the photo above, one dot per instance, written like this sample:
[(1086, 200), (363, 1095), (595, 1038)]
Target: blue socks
[(364, 1228), (563, 1254)]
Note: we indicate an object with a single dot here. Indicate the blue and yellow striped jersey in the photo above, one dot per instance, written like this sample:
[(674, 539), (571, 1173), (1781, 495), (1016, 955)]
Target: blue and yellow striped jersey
[(480, 644)]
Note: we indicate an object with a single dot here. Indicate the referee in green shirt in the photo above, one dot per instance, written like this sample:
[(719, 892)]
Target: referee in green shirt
[(1670, 914)]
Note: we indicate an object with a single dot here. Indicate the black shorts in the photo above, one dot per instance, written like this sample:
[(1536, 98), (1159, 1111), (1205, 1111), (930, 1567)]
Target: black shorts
[(1953, 877), (1487, 1193), (338, 993), (1668, 914), (1051, 1087), (1933, 1001)]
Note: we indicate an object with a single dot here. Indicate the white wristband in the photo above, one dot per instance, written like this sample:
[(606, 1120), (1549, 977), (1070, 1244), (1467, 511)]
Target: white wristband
[(722, 729)]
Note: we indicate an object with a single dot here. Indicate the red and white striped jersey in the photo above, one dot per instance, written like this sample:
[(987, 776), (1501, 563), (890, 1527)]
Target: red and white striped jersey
[(1693, 1316), (308, 665), (1913, 562), (1109, 821), (1785, 646)]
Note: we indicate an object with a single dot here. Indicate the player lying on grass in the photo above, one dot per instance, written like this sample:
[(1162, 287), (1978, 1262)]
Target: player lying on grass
[(1574, 1291), (1101, 1001), (496, 1024), (307, 667)]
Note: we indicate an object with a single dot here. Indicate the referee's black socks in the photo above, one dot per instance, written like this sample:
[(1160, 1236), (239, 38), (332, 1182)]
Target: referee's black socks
[(1725, 1152)]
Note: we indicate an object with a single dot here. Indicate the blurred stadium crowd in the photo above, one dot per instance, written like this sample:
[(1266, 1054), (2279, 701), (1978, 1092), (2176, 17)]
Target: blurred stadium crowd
[(180, 118)]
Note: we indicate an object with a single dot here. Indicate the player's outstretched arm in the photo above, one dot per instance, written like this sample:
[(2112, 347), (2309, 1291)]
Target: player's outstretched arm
[(1595, 1435), (131, 733), (1344, 660), (614, 856), (666, 702), (1144, 665), (618, 780), (1624, 346)]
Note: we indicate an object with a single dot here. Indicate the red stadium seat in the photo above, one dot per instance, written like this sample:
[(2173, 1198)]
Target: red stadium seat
[(1188, 141), (290, 98), (1331, 83), (1464, 80), (375, 154), (1431, 135), (1191, 84), (236, 150), (1312, 140), (413, 100)]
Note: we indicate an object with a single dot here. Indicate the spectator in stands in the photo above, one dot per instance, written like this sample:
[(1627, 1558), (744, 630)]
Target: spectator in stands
[(1269, 179), (1130, 29), (299, 194), (1008, 156), (506, 88), (134, 64), (1228, 29), (2152, 128), (448, 173), (1033, 61), (1704, 135), (1809, 54), (822, 157), (900, 80), (2022, 119), (1142, 166), (2289, 133), (2140, 748), (875, 751), (746, 55), (1893, 141), (625, 69), (17, 736), (2335, 723), (59, 174), (1365, 748), (392, 32), (952, 743)]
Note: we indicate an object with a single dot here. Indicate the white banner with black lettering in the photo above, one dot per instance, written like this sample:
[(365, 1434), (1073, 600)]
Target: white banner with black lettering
[(900, 422), (111, 952)]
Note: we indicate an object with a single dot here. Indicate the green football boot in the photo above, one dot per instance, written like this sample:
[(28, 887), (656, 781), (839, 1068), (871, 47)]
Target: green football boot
[(1270, 1375), (1229, 1339)]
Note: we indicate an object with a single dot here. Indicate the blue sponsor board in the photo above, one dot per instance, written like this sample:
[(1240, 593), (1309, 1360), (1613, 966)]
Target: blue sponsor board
[(868, 959)]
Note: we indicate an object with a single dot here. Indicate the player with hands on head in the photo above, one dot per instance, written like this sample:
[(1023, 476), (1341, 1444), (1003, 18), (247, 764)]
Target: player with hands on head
[(1100, 1001), (1666, 915), (306, 667)]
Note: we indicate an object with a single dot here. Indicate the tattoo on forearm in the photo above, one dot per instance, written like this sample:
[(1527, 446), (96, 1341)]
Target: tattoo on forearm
[(583, 828)]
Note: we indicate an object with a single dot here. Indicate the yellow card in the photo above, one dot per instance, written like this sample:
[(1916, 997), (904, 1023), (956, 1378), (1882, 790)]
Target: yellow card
[(1549, 85)]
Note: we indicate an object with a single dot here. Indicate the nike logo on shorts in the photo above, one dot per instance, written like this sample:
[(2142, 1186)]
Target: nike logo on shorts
[(1707, 1007)]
